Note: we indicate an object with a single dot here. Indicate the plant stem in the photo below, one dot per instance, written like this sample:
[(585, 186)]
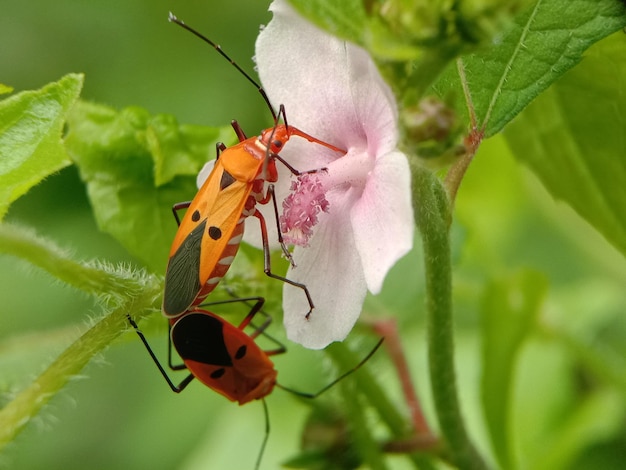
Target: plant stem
[(389, 330), (16, 414), (135, 293), (23, 243), (433, 218), (369, 387)]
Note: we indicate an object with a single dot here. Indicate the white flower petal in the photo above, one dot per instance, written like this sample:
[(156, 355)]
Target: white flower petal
[(331, 269), (382, 218), (331, 89)]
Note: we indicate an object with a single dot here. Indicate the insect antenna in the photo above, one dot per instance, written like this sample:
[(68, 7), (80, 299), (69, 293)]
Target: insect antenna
[(334, 382), (173, 19)]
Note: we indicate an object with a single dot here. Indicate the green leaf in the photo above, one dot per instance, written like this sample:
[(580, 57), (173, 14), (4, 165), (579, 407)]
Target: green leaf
[(136, 167), (345, 19), (4, 89), (510, 307), (572, 137), (31, 126), (597, 418), (539, 47), (349, 20)]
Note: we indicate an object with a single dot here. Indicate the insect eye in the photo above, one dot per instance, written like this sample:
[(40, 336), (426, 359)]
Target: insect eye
[(218, 373), (278, 143)]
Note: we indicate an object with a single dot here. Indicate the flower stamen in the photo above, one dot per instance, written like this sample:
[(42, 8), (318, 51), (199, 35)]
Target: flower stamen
[(301, 208)]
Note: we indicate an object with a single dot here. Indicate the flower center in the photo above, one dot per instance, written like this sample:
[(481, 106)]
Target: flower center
[(308, 194), (300, 209), (350, 170)]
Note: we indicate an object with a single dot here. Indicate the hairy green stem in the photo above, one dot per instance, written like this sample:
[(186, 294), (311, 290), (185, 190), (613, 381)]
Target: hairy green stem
[(433, 218), (17, 413), (136, 294), (23, 243)]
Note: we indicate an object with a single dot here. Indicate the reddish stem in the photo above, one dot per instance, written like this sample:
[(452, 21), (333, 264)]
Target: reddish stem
[(389, 329)]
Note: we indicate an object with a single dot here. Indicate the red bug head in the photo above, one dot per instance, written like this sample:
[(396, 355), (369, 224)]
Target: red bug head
[(223, 357), (275, 138)]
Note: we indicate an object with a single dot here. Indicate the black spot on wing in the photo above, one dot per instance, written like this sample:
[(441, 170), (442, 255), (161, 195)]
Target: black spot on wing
[(200, 338), (241, 352), (195, 216), (182, 279), (227, 180), (215, 233)]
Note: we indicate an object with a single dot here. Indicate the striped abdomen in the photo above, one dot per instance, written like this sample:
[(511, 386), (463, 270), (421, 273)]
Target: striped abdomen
[(221, 268)]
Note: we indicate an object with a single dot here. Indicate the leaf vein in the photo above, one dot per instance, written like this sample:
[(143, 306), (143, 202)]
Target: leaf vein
[(509, 65)]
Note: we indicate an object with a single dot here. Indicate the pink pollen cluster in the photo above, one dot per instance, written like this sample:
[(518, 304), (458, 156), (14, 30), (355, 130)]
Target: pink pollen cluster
[(300, 209)]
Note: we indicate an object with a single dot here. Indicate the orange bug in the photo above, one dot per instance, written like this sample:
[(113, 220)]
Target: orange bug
[(209, 235), (228, 360)]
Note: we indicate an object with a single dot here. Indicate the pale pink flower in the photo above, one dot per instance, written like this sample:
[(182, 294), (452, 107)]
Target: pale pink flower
[(363, 222)]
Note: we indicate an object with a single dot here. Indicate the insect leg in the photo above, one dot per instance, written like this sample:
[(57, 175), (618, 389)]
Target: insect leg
[(241, 135), (170, 362), (267, 269), (177, 207), (265, 436), (256, 308), (258, 330), (261, 329), (293, 170), (219, 148), (271, 196), (175, 388)]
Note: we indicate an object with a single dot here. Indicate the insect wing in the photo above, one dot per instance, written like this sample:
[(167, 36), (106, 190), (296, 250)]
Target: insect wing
[(202, 238), (223, 357), (182, 278)]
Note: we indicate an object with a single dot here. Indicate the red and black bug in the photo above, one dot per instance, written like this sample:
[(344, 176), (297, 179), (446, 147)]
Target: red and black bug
[(227, 359)]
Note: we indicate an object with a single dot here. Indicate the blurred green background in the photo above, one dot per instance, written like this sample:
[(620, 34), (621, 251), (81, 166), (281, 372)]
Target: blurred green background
[(122, 415)]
